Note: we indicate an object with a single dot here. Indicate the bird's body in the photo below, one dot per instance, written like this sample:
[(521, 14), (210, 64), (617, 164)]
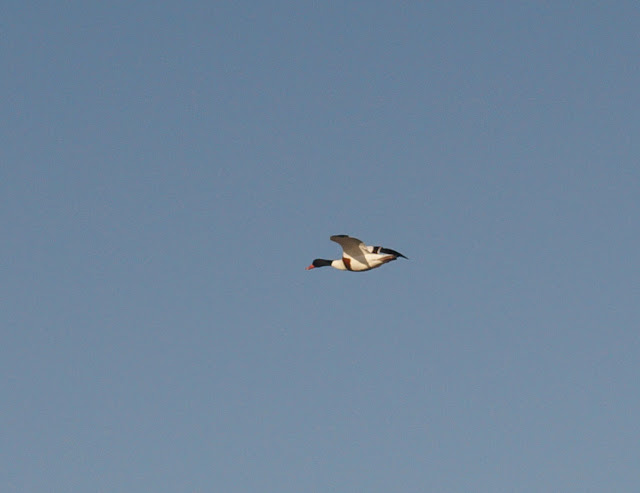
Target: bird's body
[(356, 256)]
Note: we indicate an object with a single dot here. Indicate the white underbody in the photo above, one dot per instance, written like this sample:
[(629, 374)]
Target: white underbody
[(362, 263)]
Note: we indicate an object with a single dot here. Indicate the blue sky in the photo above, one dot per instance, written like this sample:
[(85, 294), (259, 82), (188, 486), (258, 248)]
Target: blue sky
[(169, 170)]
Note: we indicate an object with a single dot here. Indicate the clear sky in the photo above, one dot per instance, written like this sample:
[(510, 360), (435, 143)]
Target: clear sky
[(169, 169)]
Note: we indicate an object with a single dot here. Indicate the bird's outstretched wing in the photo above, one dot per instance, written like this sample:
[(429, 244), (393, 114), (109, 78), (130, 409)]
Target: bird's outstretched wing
[(352, 247)]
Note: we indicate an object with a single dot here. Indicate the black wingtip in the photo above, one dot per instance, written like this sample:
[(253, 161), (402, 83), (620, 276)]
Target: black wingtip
[(392, 252)]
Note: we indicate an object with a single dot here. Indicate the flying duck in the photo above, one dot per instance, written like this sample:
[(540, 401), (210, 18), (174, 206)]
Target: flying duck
[(356, 256)]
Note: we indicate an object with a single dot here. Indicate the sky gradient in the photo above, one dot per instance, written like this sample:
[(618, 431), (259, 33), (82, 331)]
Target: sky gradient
[(168, 171)]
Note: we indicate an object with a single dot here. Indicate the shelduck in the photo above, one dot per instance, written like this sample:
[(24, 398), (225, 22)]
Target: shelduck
[(356, 256)]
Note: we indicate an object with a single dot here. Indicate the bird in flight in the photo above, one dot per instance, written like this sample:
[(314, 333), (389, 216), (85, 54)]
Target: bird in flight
[(356, 256)]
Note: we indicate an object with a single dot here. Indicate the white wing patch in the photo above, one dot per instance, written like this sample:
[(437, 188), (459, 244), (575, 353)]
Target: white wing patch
[(351, 247)]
